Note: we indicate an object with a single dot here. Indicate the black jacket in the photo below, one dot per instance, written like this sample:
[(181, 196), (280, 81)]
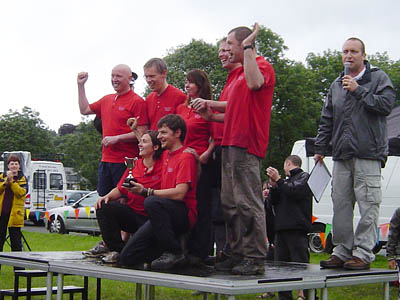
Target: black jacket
[(354, 123), (292, 200)]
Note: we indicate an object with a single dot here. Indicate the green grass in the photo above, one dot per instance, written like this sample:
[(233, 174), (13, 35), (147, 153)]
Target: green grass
[(122, 290)]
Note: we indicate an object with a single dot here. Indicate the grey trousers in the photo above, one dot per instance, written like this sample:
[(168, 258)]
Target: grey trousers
[(355, 180), (242, 203)]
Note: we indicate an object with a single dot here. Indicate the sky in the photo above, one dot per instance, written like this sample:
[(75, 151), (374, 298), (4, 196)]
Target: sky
[(45, 43)]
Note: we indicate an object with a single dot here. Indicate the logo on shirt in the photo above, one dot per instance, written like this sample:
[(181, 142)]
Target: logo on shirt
[(121, 108), (196, 116), (156, 177), (170, 170), (168, 108), (240, 77)]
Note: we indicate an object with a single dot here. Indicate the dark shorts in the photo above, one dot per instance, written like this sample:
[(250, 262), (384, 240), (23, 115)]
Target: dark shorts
[(109, 176)]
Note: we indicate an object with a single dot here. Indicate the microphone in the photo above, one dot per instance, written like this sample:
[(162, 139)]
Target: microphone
[(346, 68)]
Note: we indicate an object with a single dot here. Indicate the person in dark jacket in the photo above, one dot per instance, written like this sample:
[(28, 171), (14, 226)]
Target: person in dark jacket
[(393, 243), (292, 202), (353, 121)]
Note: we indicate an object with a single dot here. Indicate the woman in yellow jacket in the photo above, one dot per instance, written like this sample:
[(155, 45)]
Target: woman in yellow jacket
[(13, 188)]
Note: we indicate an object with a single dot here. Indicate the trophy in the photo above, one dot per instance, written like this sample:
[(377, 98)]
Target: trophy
[(130, 163)]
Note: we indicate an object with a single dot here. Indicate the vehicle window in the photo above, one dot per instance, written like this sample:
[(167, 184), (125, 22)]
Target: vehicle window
[(90, 200), (56, 182), (39, 180), (75, 196)]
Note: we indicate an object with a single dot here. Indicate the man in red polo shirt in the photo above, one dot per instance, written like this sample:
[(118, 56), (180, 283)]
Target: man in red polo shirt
[(164, 98), (244, 144), (218, 130), (114, 110), (172, 208)]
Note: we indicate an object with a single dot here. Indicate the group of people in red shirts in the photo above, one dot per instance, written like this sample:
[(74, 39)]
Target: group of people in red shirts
[(194, 152)]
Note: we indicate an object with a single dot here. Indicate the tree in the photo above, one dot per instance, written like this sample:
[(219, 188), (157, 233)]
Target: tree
[(392, 68), (25, 131), (82, 151)]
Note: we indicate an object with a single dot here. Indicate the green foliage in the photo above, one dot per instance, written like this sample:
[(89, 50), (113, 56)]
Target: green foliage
[(25, 131), (392, 68), (82, 151)]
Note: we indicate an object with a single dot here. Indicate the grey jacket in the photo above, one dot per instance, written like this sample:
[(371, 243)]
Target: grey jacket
[(355, 122), (393, 243)]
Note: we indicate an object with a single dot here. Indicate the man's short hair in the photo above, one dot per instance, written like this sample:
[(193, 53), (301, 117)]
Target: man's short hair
[(173, 122), (294, 159), (223, 40), (361, 42), (241, 33), (158, 63)]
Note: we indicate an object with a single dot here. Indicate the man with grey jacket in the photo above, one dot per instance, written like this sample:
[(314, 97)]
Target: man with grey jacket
[(353, 121)]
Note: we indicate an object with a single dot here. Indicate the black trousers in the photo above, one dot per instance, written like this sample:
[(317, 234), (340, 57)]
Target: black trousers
[(14, 232), (168, 220), (291, 246), (114, 217), (200, 242)]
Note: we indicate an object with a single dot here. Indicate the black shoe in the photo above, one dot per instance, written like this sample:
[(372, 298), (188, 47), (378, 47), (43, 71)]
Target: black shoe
[(167, 261), (228, 264), (249, 266)]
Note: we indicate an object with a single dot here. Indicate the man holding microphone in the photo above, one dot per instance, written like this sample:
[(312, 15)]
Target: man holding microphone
[(353, 121)]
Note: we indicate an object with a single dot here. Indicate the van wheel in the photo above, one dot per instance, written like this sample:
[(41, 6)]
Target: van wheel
[(56, 225), (316, 246)]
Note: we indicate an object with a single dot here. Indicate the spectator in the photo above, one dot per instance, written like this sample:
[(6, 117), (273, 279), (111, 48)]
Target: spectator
[(13, 188), (292, 201)]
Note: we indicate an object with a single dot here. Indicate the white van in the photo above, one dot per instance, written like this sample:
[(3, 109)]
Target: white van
[(323, 210), (46, 184)]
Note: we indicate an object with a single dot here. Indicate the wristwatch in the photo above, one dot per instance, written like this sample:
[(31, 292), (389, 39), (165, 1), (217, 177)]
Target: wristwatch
[(248, 47)]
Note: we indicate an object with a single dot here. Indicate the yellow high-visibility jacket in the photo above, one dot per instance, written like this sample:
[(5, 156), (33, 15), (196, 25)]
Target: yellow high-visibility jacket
[(19, 188)]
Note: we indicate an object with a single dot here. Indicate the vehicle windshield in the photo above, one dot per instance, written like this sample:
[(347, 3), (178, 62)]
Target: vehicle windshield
[(89, 200)]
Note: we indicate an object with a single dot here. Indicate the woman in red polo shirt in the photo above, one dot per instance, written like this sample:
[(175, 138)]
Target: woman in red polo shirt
[(114, 216), (198, 137)]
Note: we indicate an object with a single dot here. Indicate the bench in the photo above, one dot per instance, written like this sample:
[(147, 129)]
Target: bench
[(17, 292)]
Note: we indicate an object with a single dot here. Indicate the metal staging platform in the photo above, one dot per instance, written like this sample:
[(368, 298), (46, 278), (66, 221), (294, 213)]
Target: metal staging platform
[(278, 276)]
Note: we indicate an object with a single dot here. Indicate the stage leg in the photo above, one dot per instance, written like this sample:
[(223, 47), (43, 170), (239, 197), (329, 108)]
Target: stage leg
[(60, 286), (49, 285), (386, 290), (324, 294), (138, 291)]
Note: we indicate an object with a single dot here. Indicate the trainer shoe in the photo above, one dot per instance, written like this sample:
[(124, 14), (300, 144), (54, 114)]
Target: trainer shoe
[(97, 251), (332, 263), (249, 266), (356, 263), (228, 264), (111, 258), (167, 261)]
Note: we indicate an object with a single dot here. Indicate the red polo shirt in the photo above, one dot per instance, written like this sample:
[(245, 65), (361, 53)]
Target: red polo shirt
[(248, 112), (165, 104), (218, 128), (114, 111), (149, 179), (181, 167), (198, 130)]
